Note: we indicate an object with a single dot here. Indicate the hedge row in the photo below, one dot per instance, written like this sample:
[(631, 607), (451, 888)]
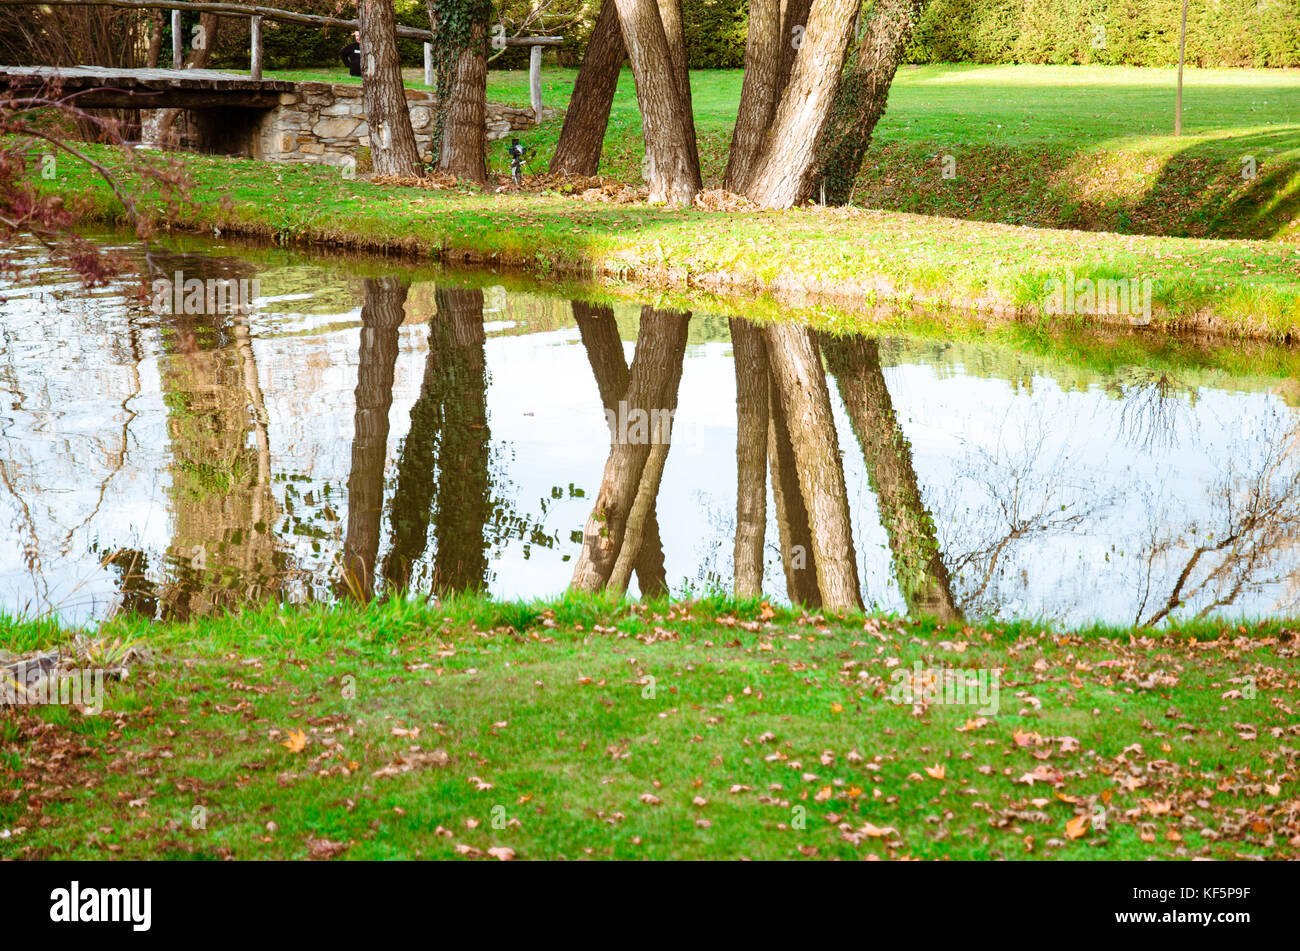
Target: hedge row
[(1260, 33)]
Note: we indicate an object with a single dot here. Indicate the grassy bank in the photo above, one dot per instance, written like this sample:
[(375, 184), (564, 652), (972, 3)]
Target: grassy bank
[(1088, 147), (861, 259), (587, 728)]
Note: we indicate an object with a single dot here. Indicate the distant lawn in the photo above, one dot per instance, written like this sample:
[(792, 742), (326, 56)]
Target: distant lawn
[(1057, 146), (583, 728)]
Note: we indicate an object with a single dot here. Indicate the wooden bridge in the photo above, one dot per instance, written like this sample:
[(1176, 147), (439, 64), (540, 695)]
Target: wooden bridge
[(96, 87)]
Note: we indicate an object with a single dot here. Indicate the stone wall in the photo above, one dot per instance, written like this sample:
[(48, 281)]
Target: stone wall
[(325, 124)]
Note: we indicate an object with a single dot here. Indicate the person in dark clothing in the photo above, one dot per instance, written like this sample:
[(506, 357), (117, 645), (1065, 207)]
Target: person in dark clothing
[(351, 55)]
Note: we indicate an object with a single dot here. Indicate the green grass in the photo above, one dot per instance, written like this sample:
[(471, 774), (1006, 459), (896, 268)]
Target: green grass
[(586, 727), (1054, 146), (858, 258)]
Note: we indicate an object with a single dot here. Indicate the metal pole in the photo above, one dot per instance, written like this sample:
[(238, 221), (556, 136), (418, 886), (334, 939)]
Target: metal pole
[(255, 40), (178, 50)]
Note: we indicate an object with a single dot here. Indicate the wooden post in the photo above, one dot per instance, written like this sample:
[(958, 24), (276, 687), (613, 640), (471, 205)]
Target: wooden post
[(535, 80), (178, 48), (1182, 51), (428, 64), (255, 41)]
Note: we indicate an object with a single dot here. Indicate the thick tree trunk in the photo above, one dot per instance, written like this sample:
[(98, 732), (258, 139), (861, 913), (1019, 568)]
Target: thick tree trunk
[(392, 140), (656, 368), (863, 94), (674, 176), (783, 174), (381, 319), (155, 39), (801, 383), (464, 138), (918, 565), (750, 357), (797, 557), (758, 92), (794, 24), (599, 331), (464, 501), (670, 14), (583, 134)]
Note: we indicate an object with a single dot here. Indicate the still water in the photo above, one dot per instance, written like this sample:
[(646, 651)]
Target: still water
[(359, 426)]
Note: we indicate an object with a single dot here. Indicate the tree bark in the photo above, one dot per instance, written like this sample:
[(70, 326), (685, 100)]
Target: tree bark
[(583, 135), (670, 14), (197, 58), (784, 172), (674, 177), (750, 358), (863, 95), (794, 24), (918, 565), (758, 92), (656, 368), (464, 138), (801, 383), (392, 140), (599, 331), (381, 320)]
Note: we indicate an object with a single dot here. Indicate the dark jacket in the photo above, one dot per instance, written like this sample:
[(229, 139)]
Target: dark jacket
[(351, 56)]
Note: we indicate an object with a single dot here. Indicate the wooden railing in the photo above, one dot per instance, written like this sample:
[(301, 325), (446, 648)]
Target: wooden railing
[(256, 14)]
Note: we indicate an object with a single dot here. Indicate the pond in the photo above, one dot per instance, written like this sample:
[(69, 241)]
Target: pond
[(342, 428)]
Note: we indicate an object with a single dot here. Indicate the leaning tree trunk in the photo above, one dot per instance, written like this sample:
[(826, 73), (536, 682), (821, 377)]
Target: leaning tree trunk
[(599, 332), (794, 25), (801, 384), (656, 366), (381, 322), (673, 175), (583, 135), (392, 140), (918, 565), (863, 94), (750, 358), (781, 178), (758, 92), (464, 138), (670, 14)]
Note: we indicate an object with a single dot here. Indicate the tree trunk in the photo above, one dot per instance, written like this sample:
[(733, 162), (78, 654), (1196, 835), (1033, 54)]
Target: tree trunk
[(197, 58), (674, 177), (155, 39), (758, 92), (670, 14), (464, 501), (794, 24), (784, 172), (918, 565), (392, 140), (801, 383), (464, 138), (797, 557), (583, 134), (381, 320), (750, 358), (656, 368), (863, 94), (599, 331)]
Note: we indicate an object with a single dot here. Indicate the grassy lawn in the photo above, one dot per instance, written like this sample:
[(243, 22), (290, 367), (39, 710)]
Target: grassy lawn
[(856, 257), (586, 728), (1055, 146)]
